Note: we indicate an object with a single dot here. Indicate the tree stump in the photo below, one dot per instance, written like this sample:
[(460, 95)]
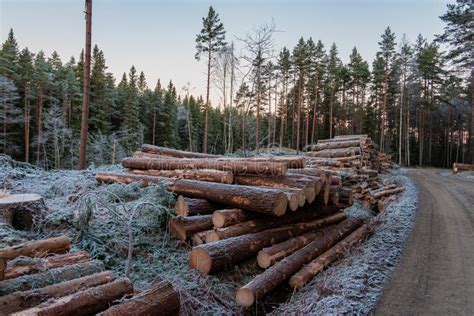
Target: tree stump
[(19, 210)]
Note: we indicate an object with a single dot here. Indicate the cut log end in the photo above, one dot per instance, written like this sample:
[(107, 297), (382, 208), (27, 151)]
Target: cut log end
[(177, 230), (200, 260), (280, 205), (297, 281), (310, 193), (212, 237), (264, 260), (245, 297), (293, 202)]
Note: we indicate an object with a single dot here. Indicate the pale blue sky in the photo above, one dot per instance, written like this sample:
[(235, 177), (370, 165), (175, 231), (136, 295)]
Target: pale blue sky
[(158, 36)]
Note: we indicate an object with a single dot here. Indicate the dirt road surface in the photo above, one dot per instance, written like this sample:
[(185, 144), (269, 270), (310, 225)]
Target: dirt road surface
[(436, 273)]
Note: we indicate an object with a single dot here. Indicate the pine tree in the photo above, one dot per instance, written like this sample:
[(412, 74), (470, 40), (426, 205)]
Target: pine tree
[(209, 41), (387, 52), (459, 36), (284, 67), (332, 85)]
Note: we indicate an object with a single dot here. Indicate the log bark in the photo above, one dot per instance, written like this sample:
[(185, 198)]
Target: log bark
[(228, 217), (187, 206), (160, 299), (174, 153), (335, 145), (324, 195), (37, 248), (335, 153), (314, 172), (334, 194), (22, 300), (308, 185), (200, 174), (281, 271), (462, 167), (86, 302), (185, 227), (141, 154), (270, 255), (292, 162), (209, 258), (46, 264), (264, 223), (346, 196), (27, 282), (380, 194), (261, 200), (235, 166), (309, 271), (200, 237)]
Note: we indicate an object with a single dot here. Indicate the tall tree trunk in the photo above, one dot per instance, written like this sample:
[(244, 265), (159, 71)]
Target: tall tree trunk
[(206, 111), (298, 127), (257, 132), (230, 144), (314, 135), (27, 122), (85, 100), (40, 122), (331, 101)]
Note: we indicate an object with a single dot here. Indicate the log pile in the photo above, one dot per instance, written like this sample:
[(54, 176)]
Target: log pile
[(57, 282), (462, 167), (287, 212)]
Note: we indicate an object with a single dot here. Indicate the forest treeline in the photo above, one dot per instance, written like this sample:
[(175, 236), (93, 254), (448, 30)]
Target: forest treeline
[(414, 99)]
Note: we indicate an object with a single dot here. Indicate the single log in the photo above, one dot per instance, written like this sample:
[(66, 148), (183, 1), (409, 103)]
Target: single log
[(293, 199), (27, 282), (47, 263), (270, 255), (324, 195), (462, 167), (309, 271), (371, 173), (293, 162), (141, 154), (212, 257), (185, 227), (235, 166), (200, 237), (37, 248), (335, 145), (3, 266), (22, 300), (335, 153), (284, 269), (200, 174), (174, 153), (336, 180), (334, 194), (346, 196), (264, 223), (290, 181), (261, 200), (188, 206), (160, 299), (379, 194), (86, 302), (340, 138), (315, 172), (228, 217)]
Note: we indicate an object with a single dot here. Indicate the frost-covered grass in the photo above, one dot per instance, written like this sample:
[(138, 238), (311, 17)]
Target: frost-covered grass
[(96, 218)]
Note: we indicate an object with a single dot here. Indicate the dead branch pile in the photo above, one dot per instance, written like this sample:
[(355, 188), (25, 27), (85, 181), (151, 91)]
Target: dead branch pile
[(54, 282), (285, 211)]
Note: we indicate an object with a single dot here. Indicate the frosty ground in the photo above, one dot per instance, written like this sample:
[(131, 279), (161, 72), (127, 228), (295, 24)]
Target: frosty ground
[(98, 218)]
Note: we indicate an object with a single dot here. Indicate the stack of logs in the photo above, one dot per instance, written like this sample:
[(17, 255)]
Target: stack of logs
[(457, 167), (43, 278), (348, 151), (287, 215)]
